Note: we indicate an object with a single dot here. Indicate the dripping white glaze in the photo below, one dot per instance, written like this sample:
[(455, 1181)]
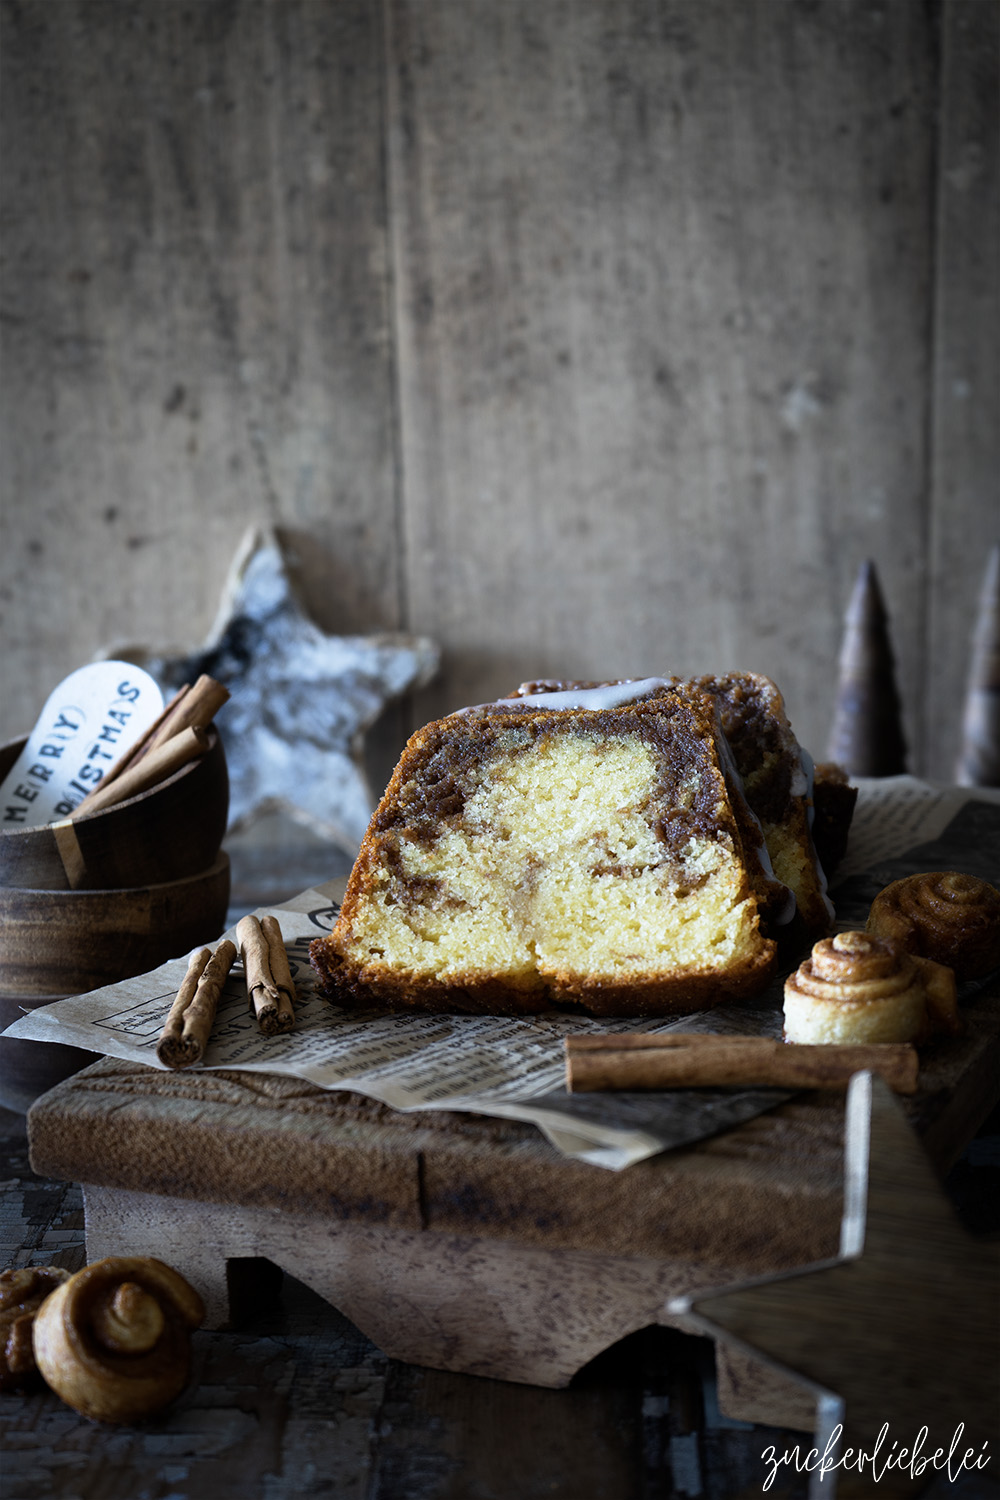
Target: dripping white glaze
[(613, 695), (803, 778)]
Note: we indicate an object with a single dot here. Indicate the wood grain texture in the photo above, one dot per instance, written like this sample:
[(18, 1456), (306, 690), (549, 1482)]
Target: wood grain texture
[(466, 1303), (297, 1402), (458, 1242), (662, 282), (168, 832), (268, 1141), (907, 1274), (965, 510), (588, 338), (196, 330), (67, 942), (273, 1143), (751, 1391)]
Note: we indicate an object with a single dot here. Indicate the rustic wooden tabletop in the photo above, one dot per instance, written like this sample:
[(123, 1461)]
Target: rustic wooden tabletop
[(295, 1402)]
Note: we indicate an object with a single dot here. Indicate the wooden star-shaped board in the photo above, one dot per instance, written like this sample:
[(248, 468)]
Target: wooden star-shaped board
[(900, 1332), (301, 700)]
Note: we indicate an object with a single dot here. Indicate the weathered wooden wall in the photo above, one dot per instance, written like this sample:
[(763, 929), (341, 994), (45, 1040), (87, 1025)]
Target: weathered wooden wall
[(587, 336)]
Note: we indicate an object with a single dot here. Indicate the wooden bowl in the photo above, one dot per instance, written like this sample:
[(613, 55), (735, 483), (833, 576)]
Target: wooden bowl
[(59, 943), (68, 942), (169, 832)]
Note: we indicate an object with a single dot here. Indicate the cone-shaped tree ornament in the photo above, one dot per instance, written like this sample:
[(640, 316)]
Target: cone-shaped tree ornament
[(979, 758), (867, 734)]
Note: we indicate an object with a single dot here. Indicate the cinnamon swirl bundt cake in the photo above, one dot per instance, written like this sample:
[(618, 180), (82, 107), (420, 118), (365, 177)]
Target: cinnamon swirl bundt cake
[(591, 849)]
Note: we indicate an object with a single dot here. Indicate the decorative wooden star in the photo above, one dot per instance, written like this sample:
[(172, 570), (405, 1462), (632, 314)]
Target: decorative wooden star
[(900, 1331), (301, 699)]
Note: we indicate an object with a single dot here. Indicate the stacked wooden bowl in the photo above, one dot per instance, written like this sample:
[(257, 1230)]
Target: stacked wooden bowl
[(149, 882)]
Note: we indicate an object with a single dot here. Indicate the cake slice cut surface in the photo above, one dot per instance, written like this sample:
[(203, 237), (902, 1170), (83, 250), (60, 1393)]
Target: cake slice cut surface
[(776, 775), (524, 858)]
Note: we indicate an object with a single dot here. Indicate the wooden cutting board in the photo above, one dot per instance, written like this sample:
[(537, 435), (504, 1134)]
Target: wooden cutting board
[(468, 1243)]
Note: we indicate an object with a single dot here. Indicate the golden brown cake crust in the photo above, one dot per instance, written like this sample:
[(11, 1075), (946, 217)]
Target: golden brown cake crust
[(473, 994)]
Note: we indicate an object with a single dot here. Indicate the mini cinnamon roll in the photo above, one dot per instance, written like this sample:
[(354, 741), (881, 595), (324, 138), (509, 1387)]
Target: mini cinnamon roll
[(22, 1293), (944, 915), (115, 1340), (858, 987)]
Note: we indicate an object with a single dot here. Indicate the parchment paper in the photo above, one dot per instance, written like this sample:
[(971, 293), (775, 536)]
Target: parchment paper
[(514, 1067)]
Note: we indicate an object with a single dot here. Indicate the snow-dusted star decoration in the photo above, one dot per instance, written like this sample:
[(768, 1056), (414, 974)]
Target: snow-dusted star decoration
[(898, 1336), (301, 700)]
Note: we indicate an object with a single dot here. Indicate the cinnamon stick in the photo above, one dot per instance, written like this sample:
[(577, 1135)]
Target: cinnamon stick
[(134, 752), (281, 971), (188, 1027), (693, 1060), (189, 708), (195, 710), (152, 769), (271, 993)]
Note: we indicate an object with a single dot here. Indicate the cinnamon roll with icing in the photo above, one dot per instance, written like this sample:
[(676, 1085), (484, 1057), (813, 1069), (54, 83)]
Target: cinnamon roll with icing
[(944, 915), (859, 987)]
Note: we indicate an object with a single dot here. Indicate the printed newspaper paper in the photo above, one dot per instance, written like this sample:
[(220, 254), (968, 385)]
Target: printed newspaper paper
[(514, 1067)]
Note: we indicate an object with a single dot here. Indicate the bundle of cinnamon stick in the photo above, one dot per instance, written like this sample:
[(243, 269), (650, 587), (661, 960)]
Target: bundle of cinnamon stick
[(176, 737), (677, 1060), (270, 991)]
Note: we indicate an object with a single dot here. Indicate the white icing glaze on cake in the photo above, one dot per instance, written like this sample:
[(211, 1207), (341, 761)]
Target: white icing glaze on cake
[(802, 781), (613, 695)]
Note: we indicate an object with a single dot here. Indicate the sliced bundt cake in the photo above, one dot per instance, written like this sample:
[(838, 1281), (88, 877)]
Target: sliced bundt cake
[(528, 854)]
